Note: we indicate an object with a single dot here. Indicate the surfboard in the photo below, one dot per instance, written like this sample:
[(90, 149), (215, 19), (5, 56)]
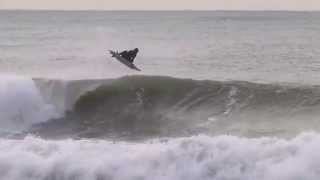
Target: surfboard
[(123, 60)]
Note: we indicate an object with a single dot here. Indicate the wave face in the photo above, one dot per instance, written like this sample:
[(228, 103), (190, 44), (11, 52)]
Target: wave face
[(148, 106), (21, 105), (198, 157)]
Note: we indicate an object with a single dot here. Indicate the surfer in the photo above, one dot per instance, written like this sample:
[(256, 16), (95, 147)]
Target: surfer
[(129, 55), (126, 57)]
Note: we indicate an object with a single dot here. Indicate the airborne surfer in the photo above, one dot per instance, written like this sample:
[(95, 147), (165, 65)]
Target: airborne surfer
[(126, 57), (129, 55)]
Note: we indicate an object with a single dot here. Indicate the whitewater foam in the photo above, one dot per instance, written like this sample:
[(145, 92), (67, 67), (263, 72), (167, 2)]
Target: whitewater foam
[(198, 157), (21, 104)]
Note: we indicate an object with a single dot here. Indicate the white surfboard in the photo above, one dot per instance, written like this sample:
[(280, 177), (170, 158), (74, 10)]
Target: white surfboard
[(123, 60)]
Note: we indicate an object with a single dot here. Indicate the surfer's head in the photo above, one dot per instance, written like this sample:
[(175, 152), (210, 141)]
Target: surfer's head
[(136, 49)]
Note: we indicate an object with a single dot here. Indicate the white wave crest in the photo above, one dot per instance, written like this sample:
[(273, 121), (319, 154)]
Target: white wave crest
[(21, 104)]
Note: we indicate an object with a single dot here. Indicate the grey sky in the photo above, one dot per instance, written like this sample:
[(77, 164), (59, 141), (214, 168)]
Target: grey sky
[(163, 4)]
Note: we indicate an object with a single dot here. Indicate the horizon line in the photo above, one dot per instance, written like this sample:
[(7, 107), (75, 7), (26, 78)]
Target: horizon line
[(165, 10)]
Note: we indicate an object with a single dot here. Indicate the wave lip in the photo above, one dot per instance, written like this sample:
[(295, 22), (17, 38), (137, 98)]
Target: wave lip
[(198, 157)]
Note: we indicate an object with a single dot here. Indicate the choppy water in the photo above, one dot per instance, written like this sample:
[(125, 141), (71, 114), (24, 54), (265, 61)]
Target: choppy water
[(271, 46), (221, 95)]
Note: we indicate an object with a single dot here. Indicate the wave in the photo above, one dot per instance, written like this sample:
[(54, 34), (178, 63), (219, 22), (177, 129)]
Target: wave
[(198, 157), (148, 106)]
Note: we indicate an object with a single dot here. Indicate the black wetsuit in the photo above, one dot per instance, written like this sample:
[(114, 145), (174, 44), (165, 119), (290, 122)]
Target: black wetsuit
[(129, 55)]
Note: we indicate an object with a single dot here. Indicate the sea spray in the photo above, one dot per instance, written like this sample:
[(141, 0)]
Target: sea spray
[(21, 104)]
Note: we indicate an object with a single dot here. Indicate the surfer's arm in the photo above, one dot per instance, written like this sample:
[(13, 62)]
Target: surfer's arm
[(133, 57)]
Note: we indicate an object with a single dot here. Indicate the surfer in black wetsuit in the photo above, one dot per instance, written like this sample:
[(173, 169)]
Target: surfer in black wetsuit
[(130, 55)]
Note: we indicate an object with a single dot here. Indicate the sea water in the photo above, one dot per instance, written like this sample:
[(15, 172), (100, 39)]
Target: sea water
[(221, 95)]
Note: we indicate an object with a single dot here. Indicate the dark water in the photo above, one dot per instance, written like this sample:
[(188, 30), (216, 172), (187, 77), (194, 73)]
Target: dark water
[(157, 106)]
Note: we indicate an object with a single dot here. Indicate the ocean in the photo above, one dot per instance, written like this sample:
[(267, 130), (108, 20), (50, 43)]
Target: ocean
[(222, 95)]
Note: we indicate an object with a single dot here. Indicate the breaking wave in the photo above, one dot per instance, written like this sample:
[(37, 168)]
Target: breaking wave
[(21, 105), (151, 106), (176, 125)]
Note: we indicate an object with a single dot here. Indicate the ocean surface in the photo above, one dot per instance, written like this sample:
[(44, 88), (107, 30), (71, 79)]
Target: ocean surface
[(221, 95)]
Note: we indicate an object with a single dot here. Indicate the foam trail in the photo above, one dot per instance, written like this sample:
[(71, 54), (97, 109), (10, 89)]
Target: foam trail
[(198, 157), (21, 104)]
